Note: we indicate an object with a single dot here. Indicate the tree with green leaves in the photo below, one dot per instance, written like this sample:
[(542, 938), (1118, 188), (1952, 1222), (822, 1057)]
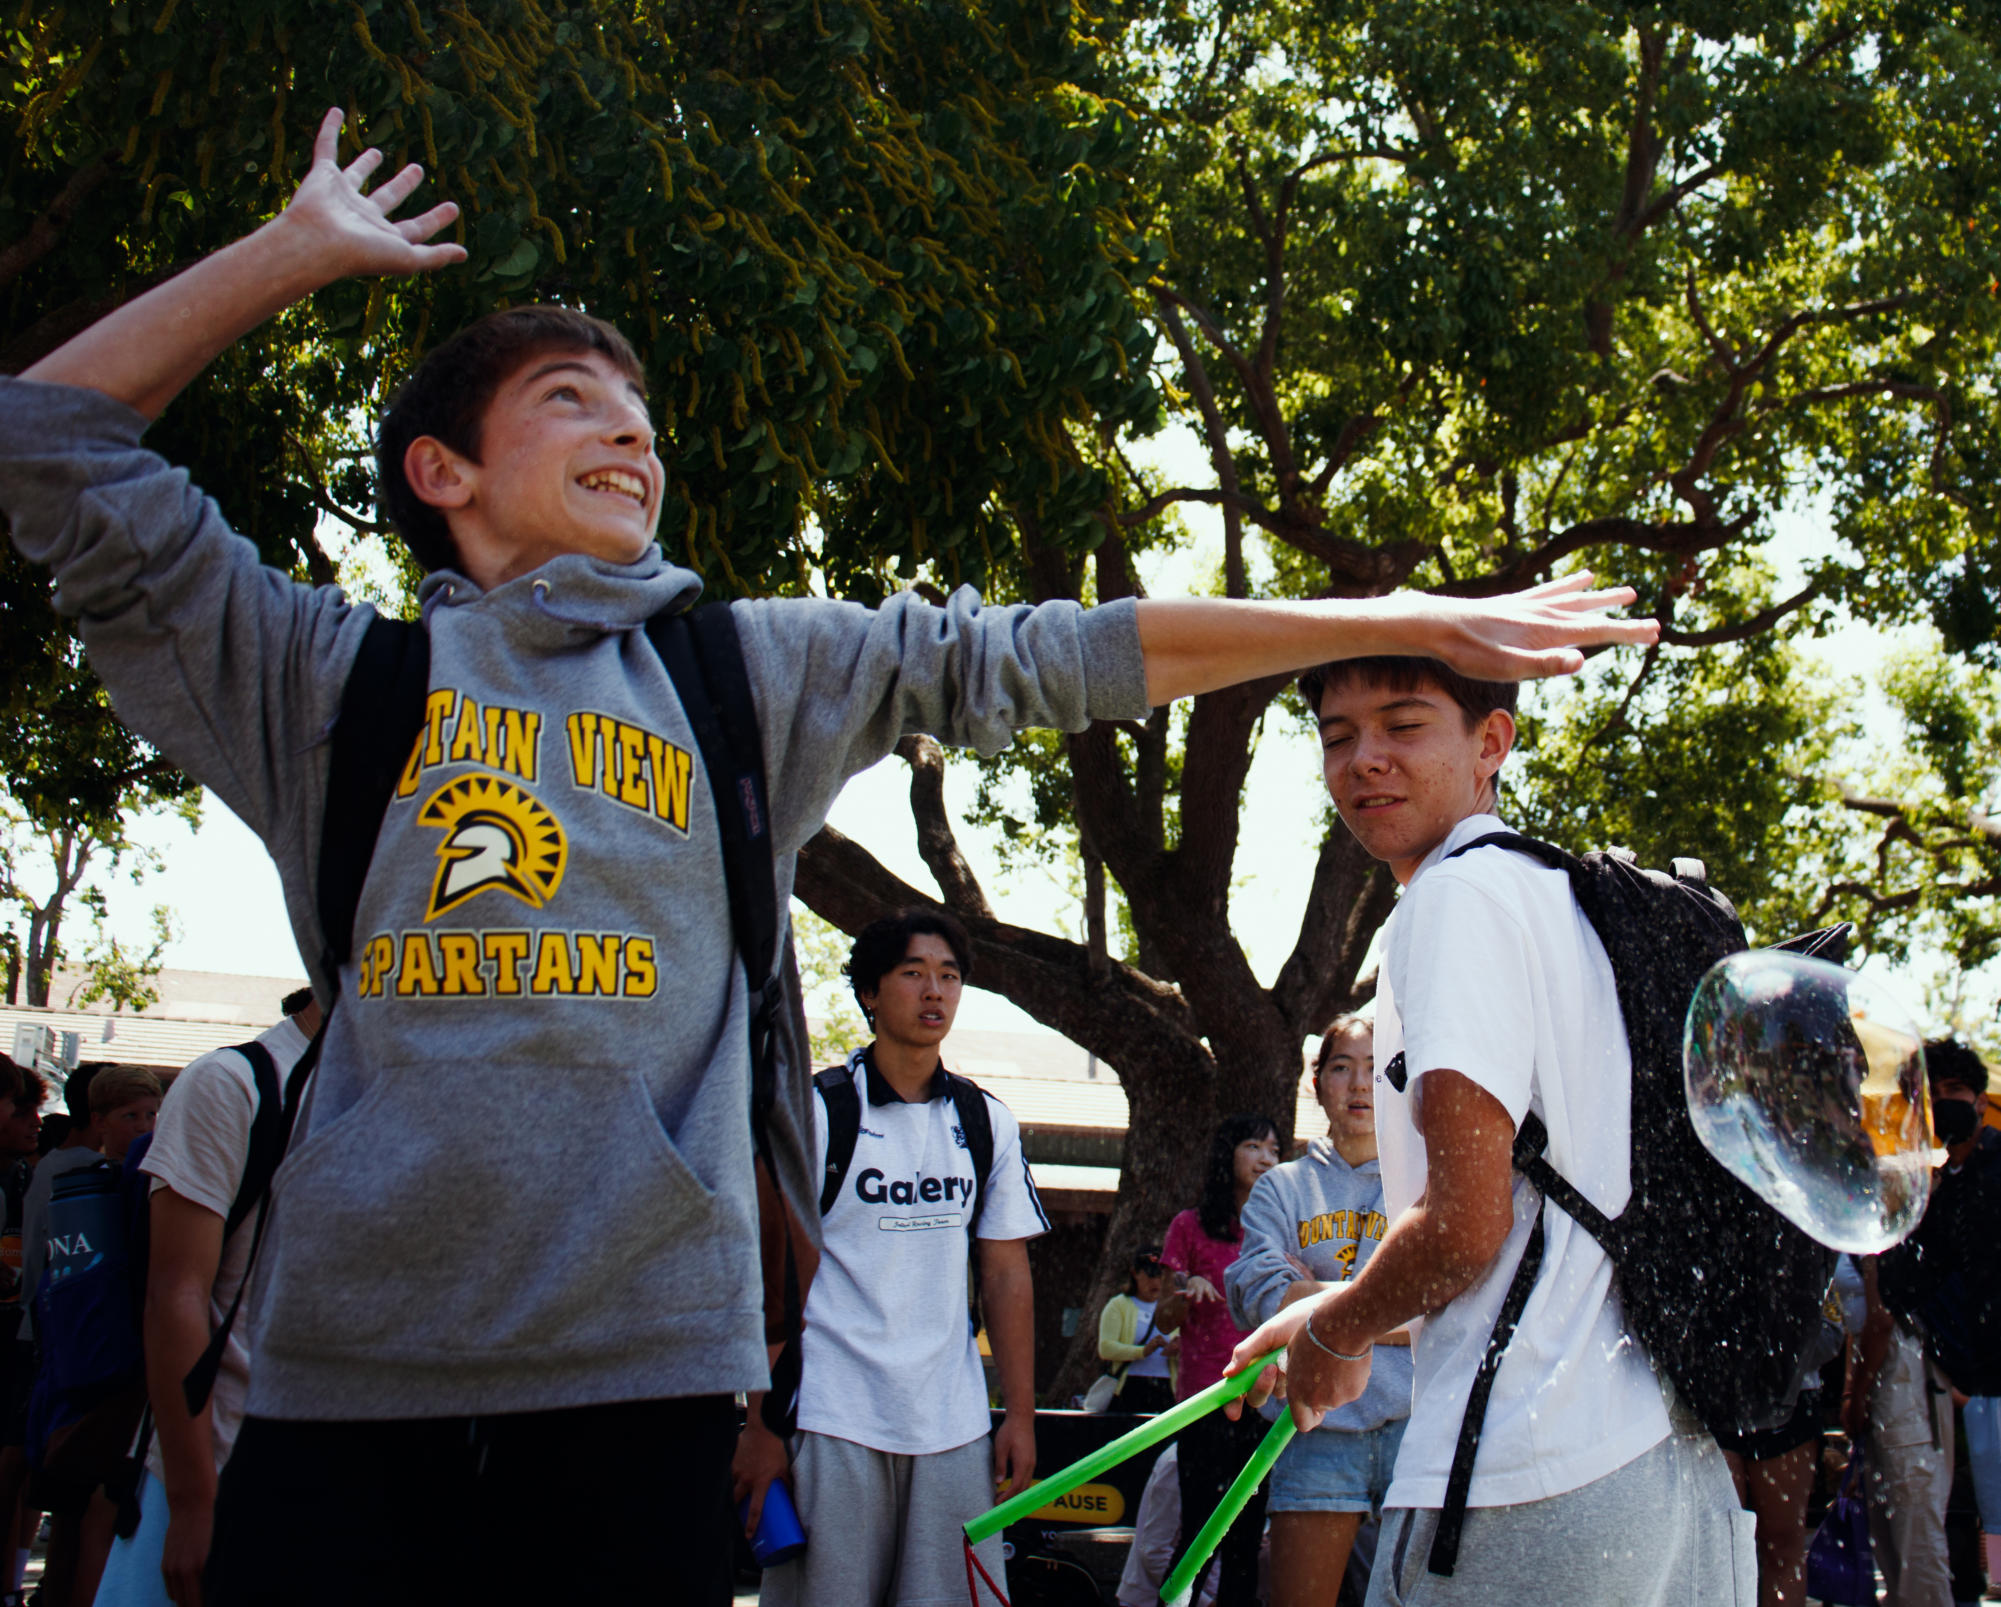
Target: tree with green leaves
[(873, 258), (1457, 297), (1450, 297), (54, 862)]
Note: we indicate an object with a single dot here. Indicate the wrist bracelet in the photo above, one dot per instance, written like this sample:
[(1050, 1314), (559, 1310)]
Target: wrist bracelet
[(1330, 1350)]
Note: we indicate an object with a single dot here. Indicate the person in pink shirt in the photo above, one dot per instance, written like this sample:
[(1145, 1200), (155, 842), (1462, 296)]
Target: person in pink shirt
[(1199, 1248)]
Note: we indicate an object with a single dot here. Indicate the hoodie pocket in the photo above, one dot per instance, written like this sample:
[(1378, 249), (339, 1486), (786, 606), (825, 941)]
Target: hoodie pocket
[(462, 1208)]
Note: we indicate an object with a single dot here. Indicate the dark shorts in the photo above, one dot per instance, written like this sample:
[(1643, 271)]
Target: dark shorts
[(438, 1510), (1802, 1428)]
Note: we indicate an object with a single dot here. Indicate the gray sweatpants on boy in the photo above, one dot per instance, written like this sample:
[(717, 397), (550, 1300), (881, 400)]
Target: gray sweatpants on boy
[(884, 1530), (1665, 1530)]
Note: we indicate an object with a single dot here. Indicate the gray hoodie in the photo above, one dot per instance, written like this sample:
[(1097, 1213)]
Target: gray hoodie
[(1329, 1215), (523, 1180)]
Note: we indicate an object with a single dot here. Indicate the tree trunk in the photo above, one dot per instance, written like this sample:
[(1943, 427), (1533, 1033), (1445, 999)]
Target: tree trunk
[(43, 931)]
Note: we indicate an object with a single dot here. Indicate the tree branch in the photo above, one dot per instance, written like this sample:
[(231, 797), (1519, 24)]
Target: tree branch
[(935, 840), (1351, 898), (1756, 625), (44, 233), (1224, 462), (1126, 1019)]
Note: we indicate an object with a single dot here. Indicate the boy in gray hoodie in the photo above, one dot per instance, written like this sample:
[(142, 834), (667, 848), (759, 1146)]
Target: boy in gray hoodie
[(1309, 1225), (466, 1296)]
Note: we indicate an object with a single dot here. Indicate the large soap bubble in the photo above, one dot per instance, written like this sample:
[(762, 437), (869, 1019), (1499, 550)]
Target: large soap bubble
[(1807, 1081)]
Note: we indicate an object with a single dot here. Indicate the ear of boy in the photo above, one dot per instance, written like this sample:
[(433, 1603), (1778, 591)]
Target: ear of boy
[(566, 465)]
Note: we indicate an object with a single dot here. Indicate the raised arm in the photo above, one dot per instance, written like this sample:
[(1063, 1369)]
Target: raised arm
[(143, 353), (1198, 644)]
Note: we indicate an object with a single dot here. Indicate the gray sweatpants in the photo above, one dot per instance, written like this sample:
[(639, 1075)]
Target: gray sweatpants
[(1665, 1530), (884, 1530)]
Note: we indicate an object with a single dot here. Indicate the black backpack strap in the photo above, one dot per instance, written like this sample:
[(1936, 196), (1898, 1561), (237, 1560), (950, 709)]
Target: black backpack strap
[(259, 1168), (267, 1137), (1531, 1140), (1552, 856), (1445, 1542), (1530, 1143), (977, 1123), (704, 659), (843, 1099), (381, 718), (970, 1101)]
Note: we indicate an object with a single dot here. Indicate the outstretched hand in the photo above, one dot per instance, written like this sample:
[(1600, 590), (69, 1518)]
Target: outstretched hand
[(145, 351), (351, 227), (1311, 1382), (1524, 635)]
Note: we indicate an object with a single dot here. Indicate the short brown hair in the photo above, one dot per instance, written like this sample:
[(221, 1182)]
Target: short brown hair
[(446, 397), (115, 1087), (1395, 673)]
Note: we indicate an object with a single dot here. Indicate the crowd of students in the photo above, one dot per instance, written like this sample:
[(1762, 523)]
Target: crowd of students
[(514, 1249)]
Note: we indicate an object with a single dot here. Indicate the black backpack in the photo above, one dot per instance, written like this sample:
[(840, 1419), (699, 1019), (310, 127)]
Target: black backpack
[(381, 716), (840, 1088), (1726, 1313), (843, 1095)]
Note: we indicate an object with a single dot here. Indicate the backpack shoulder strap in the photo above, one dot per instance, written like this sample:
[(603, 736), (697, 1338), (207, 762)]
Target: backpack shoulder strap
[(704, 659), (259, 1167), (976, 1122), (1552, 856), (381, 715), (844, 1125), (267, 1137)]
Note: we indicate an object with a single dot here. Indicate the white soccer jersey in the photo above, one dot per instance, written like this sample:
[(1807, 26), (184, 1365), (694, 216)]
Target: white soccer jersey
[(889, 1359)]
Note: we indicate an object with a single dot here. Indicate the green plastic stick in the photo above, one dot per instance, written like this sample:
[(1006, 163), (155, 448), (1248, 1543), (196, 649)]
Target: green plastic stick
[(1151, 1432), (1180, 1584)]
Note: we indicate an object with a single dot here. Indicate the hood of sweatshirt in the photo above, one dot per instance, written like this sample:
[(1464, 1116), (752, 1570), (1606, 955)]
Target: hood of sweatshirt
[(569, 600)]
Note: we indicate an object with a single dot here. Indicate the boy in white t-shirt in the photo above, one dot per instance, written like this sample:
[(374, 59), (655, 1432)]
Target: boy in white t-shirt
[(196, 1163), (892, 1456), (1496, 999)]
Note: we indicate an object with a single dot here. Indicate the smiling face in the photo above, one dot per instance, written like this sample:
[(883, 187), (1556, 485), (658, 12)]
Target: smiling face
[(916, 1000), (566, 465), (1405, 767), (1252, 1159)]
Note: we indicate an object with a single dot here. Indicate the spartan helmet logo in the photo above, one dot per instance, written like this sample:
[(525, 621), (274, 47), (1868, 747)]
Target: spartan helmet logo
[(496, 835)]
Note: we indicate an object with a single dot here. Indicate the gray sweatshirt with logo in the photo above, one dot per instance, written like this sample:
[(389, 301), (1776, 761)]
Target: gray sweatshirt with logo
[(1328, 1215), (523, 1179)]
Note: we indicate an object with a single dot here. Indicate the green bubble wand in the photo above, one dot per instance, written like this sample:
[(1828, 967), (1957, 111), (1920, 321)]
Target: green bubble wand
[(1181, 1582)]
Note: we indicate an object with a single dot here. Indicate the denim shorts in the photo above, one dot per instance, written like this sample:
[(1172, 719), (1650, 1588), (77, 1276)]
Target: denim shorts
[(1332, 1470)]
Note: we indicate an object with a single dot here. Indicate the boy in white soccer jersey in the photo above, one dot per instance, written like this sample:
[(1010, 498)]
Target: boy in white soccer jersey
[(1496, 999), (892, 1456)]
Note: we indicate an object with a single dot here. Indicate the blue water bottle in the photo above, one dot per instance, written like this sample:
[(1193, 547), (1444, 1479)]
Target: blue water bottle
[(779, 1537)]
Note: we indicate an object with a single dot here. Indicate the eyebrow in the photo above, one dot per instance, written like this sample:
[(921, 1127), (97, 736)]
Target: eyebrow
[(581, 367), (1412, 701)]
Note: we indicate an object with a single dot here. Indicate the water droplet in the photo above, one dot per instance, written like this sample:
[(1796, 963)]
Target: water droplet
[(1807, 1081)]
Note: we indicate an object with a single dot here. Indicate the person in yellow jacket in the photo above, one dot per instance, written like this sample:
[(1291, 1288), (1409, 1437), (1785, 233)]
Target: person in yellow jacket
[(1132, 1337)]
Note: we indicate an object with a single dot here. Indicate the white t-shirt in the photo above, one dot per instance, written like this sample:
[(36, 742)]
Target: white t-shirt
[(1155, 1364), (889, 1359), (1491, 970), (201, 1145)]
